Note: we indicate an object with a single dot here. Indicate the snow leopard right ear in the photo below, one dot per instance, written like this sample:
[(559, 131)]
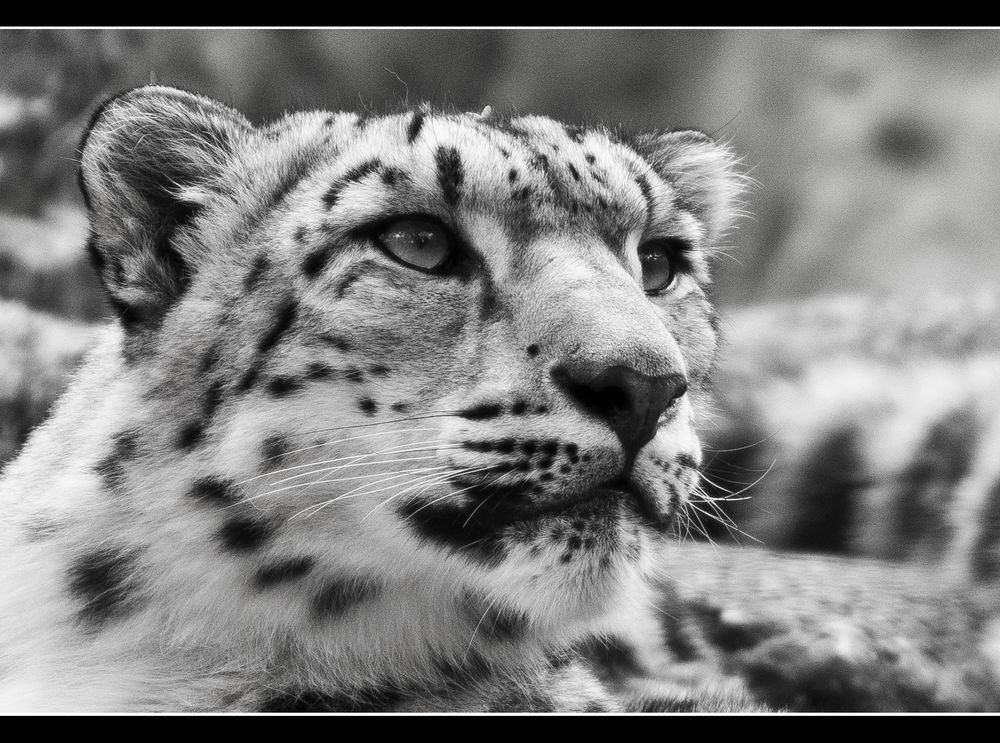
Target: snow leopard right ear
[(705, 175), (149, 159)]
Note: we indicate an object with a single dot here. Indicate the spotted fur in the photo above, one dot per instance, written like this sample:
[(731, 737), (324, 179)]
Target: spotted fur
[(297, 475)]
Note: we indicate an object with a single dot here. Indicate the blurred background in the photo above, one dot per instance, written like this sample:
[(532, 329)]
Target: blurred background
[(877, 154), (876, 151)]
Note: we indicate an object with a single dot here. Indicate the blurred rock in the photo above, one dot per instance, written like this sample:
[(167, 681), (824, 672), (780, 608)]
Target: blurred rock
[(37, 354)]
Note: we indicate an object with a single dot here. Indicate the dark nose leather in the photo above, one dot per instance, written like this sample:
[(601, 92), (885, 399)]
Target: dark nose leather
[(630, 402)]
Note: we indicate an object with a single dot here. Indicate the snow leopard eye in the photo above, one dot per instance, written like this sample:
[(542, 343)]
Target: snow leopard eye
[(419, 242), (660, 260)]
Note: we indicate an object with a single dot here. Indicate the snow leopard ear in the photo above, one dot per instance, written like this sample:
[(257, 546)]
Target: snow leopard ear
[(705, 174), (150, 158)]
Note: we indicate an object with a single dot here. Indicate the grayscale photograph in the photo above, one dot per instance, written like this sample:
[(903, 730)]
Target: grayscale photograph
[(499, 370)]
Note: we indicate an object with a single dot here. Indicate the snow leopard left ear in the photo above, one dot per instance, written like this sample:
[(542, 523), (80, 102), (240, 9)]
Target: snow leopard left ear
[(705, 174), (151, 157)]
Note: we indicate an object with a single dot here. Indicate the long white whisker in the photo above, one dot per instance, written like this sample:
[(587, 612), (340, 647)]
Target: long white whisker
[(329, 479), (334, 443), (318, 467)]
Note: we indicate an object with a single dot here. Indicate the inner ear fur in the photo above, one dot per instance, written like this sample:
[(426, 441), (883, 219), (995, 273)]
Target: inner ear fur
[(149, 158)]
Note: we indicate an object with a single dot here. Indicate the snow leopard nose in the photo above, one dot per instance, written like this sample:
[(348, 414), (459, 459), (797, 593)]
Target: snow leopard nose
[(627, 400)]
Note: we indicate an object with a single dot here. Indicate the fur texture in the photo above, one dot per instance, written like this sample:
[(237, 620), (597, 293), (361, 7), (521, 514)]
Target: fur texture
[(300, 475)]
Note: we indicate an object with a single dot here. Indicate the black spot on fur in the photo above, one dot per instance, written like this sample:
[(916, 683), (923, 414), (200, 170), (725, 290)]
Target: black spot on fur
[(363, 170), (686, 461), (644, 186), (392, 176), (212, 399), (249, 378), (532, 350), (354, 375), (342, 593), (241, 534), (458, 674), (296, 171), (379, 370), (368, 406), (400, 407), (519, 408), (512, 175), (257, 269), (589, 158), (494, 621), (124, 447), (574, 172), (336, 341), (489, 301), (190, 435), (505, 446), (282, 322), (209, 361), (475, 538), (283, 386), (331, 195), (450, 175), (416, 124), (274, 450), (317, 371), (522, 194), (485, 411), (550, 448), (214, 490), (314, 263), (282, 572), (105, 581)]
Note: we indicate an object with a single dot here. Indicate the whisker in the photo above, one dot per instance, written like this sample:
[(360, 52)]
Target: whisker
[(332, 443), (331, 470), (317, 467)]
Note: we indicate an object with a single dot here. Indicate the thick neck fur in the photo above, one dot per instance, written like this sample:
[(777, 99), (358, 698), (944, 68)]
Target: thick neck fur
[(152, 590)]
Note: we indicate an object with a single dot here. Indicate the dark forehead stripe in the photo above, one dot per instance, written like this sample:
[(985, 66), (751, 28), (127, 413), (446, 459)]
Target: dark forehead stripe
[(295, 171), (105, 581), (449, 173), (355, 174), (342, 593), (283, 320)]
